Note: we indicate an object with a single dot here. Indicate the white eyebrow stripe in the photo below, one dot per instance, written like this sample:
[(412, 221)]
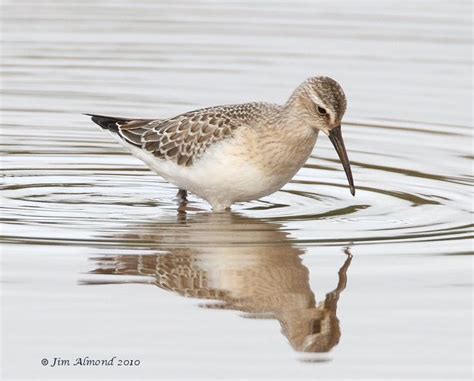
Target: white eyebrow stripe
[(319, 102), (316, 99)]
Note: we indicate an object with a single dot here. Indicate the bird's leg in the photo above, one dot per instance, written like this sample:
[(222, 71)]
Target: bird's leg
[(182, 196)]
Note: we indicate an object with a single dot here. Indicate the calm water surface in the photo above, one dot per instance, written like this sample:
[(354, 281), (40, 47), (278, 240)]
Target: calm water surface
[(99, 261)]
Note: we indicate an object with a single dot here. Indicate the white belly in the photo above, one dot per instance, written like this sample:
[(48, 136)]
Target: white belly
[(223, 175), (218, 178)]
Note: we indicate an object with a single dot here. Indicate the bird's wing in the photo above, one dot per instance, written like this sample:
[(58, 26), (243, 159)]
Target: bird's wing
[(129, 130), (133, 130), (184, 138)]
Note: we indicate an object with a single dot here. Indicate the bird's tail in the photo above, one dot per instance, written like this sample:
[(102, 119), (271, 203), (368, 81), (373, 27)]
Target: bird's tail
[(110, 123), (128, 130)]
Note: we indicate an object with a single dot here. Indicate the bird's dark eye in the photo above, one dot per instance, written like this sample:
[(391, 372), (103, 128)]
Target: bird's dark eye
[(321, 110)]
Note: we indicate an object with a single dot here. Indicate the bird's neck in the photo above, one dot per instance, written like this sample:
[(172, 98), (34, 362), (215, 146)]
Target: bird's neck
[(287, 147), (295, 122)]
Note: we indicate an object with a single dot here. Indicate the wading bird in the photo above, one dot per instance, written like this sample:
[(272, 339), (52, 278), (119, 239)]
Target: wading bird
[(233, 153)]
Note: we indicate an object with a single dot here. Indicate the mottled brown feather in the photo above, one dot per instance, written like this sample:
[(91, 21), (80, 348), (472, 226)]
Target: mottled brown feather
[(186, 137)]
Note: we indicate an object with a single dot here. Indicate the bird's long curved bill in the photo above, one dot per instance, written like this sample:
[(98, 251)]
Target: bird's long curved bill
[(335, 135)]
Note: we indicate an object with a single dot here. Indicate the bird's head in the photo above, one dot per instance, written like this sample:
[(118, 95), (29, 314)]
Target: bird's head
[(311, 330), (321, 102)]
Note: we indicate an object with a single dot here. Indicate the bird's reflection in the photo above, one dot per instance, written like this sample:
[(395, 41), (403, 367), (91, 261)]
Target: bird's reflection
[(235, 263)]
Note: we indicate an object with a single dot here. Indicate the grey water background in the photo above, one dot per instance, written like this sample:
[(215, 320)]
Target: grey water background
[(98, 260)]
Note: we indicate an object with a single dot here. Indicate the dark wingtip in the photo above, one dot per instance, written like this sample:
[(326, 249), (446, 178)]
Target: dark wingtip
[(106, 122)]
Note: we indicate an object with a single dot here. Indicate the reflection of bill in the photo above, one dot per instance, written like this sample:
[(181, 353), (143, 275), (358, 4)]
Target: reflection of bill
[(246, 265)]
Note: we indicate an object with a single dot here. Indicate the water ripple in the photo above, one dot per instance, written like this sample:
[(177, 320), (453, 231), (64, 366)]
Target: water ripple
[(83, 187)]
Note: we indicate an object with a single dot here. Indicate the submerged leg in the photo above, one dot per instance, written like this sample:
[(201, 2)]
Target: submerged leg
[(182, 196)]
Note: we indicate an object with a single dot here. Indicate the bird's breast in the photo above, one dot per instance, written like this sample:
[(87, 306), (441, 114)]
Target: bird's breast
[(281, 153)]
